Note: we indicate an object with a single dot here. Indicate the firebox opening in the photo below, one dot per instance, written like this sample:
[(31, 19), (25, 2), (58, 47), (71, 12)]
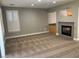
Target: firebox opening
[(66, 30)]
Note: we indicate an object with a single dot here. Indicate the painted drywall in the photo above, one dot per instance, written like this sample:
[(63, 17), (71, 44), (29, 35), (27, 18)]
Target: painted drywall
[(78, 24), (31, 21), (0, 53), (2, 43), (74, 6)]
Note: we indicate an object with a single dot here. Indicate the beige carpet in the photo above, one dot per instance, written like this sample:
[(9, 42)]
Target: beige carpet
[(42, 46)]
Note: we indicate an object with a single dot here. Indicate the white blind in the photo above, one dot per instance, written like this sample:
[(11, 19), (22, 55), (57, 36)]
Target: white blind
[(52, 17), (12, 20)]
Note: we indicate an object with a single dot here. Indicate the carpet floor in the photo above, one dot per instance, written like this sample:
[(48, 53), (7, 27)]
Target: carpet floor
[(42, 46)]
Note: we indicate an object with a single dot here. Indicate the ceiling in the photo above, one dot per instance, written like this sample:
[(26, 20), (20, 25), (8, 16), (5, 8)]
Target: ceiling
[(33, 3)]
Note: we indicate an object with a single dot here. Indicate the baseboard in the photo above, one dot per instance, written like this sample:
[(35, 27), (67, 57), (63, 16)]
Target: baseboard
[(27, 35)]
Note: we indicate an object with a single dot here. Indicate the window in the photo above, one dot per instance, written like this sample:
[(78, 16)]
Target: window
[(12, 20)]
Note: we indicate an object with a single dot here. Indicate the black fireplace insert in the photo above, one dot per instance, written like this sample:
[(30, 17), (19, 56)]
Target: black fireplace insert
[(66, 30)]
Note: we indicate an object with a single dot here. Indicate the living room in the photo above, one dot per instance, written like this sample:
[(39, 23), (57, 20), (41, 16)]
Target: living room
[(39, 28)]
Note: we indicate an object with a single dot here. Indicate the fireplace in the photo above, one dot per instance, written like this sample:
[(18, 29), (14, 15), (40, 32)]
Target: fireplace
[(66, 30)]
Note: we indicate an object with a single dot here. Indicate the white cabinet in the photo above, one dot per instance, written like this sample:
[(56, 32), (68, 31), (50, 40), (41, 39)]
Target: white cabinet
[(52, 17)]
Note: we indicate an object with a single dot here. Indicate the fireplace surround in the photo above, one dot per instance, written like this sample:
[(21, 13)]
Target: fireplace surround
[(66, 29)]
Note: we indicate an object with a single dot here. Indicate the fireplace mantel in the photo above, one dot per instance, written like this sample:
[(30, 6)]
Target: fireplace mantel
[(65, 22)]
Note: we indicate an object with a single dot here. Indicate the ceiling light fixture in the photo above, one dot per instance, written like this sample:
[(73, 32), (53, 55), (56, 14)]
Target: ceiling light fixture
[(39, 0), (32, 4), (54, 2)]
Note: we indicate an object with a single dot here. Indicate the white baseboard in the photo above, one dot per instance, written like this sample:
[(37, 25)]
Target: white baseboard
[(26, 35), (57, 34)]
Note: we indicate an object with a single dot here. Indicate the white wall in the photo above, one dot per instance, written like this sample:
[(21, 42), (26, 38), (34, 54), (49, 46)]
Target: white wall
[(78, 25), (2, 48)]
